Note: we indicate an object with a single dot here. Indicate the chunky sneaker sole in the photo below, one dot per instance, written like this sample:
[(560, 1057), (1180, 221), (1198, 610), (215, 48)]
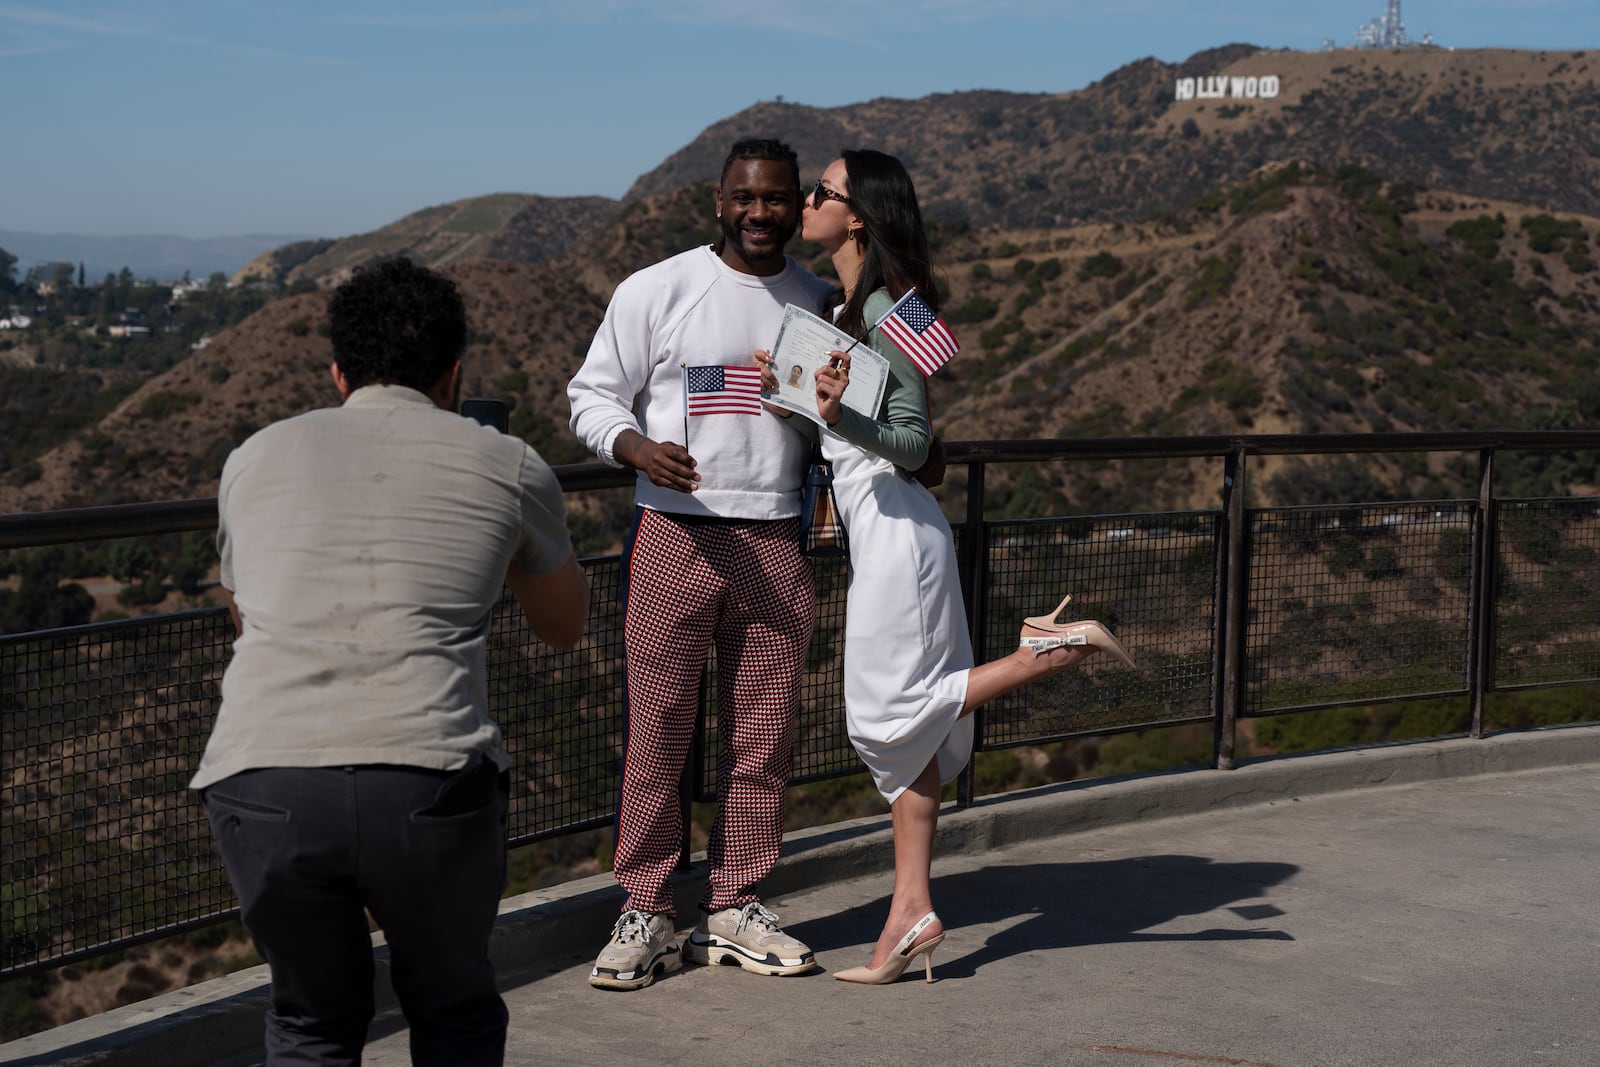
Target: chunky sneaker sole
[(665, 961), (708, 949)]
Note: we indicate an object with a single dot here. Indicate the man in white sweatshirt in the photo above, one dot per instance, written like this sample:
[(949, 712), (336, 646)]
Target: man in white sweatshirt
[(712, 560)]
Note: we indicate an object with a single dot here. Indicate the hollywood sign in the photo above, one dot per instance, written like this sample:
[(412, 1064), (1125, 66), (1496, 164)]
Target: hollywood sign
[(1218, 88)]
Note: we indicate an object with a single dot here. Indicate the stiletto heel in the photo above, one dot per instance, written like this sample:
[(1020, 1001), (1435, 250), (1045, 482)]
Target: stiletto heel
[(904, 952), (1048, 622), (1055, 634)]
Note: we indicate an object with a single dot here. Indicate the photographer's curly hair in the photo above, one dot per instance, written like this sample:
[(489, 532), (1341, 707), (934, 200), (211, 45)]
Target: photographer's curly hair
[(895, 253), (395, 323), (766, 150)]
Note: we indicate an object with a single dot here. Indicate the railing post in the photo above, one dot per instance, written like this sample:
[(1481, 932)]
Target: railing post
[(1232, 585), (1480, 626), (974, 568)]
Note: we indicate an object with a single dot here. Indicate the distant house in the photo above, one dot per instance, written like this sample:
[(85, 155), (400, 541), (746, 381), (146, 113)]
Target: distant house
[(122, 330), (16, 322)]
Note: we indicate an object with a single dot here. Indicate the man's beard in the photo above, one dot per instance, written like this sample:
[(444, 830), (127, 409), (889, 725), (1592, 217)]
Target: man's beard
[(733, 236)]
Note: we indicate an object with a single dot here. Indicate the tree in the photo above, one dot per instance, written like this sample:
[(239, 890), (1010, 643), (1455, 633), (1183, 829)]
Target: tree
[(8, 269), (41, 601), (130, 560), (80, 274), (196, 556)]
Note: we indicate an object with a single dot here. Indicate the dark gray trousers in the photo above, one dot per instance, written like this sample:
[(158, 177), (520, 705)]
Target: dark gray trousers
[(309, 849)]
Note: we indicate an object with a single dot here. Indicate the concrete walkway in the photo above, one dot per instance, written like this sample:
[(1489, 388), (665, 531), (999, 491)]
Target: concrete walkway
[(1413, 905)]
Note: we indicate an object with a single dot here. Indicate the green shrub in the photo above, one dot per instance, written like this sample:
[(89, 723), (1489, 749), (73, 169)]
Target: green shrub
[(1547, 233), (1267, 193), (1482, 235), (1216, 276), (163, 404), (977, 309), (1100, 265)]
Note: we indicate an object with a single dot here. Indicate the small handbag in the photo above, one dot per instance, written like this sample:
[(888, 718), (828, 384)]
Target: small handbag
[(822, 532)]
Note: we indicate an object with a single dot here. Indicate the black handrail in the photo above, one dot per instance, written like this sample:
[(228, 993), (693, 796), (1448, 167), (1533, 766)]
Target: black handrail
[(106, 522)]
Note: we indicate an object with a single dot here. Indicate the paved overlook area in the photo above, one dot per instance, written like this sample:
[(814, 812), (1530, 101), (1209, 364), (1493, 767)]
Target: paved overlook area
[(1419, 904)]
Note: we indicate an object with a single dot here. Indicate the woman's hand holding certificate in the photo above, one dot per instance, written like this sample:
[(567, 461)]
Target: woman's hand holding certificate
[(806, 345)]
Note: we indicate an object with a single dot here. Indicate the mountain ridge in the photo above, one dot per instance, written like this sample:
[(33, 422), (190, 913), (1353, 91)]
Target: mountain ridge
[(1293, 295), (161, 256)]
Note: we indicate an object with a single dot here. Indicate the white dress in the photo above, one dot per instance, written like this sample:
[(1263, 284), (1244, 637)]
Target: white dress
[(906, 647)]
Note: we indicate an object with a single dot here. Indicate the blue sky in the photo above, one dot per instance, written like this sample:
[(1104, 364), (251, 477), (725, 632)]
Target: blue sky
[(205, 118)]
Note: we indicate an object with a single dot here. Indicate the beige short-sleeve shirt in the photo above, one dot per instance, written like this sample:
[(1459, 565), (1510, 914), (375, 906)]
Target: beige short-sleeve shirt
[(365, 546)]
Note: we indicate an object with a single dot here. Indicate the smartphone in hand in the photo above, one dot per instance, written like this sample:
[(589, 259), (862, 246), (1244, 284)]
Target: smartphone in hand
[(496, 413)]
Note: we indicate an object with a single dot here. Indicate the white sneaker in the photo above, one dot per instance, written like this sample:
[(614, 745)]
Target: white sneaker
[(749, 936), (643, 945)]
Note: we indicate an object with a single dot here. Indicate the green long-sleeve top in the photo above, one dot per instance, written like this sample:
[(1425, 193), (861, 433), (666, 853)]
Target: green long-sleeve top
[(900, 433)]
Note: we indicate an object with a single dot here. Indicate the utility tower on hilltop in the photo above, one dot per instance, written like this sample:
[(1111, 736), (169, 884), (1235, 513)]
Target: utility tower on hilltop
[(1388, 31)]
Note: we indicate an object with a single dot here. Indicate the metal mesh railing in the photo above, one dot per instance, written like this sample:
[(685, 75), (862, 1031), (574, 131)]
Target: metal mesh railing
[(101, 728), (1547, 617), (561, 713), (1357, 604), (1233, 611), (1150, 578)]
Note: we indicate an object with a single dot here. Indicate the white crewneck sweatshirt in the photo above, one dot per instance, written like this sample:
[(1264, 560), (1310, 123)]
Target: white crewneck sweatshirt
[(695, 310)]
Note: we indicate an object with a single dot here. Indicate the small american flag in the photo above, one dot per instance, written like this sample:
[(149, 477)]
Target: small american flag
[(921, 334), (722, 390)]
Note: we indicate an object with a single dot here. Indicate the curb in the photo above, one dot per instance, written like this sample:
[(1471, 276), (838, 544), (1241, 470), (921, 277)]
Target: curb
[(221, 1019)]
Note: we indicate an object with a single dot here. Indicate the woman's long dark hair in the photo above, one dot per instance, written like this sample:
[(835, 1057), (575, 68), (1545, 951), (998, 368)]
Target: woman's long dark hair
[(895, 249)]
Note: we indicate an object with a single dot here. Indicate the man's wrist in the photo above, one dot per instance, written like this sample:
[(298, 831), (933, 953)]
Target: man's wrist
[(624, 448)]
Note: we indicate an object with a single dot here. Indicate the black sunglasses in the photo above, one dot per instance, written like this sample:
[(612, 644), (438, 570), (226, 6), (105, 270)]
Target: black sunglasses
[(820, 192)]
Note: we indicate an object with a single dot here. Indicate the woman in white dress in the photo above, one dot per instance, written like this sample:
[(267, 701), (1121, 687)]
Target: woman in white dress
[(909, 678)]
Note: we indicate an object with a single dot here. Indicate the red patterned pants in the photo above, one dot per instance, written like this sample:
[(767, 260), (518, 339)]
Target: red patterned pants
[(745, 589)]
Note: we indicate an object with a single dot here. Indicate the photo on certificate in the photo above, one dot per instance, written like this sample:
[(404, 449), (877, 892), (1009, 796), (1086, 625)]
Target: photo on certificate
[(804, 341)]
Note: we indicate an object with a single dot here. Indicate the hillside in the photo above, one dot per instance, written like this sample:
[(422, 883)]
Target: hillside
[(1522, 126), (1297, 300), (511, 226), (1449, 285), (168, 438)]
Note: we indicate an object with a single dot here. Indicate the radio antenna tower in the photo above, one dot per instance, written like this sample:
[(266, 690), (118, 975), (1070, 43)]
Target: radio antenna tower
[(1387, 32)]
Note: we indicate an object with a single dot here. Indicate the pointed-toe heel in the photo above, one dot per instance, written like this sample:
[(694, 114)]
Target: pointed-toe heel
[(904, 952), (1053, 634)]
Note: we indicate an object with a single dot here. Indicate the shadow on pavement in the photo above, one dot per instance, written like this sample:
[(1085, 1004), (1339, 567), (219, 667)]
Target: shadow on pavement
[(1068, 905)]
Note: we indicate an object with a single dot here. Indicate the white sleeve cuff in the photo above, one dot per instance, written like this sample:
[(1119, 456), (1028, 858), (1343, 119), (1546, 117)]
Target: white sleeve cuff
[(604, 452)]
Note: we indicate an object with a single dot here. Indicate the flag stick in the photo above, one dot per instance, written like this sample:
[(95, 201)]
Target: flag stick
[(684, 367)]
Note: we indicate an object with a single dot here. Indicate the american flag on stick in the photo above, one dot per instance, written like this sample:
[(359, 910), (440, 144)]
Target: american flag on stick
[(921, 334), (722, 390)]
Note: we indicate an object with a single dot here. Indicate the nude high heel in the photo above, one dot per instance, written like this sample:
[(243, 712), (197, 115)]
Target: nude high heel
[(1053, 634), (904, 952)]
